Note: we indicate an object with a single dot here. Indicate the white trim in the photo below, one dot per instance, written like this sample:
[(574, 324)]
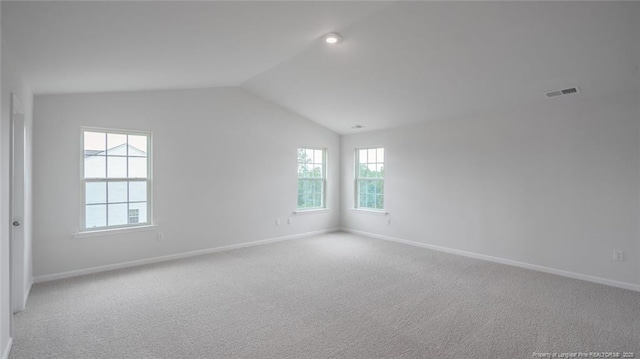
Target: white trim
[(7, 350), (356, 173), (311, 211), (535, 267), (324, 173), (25, 297), (114, 231), (108, 267), (27, 292), (106, 179), (371, 211)]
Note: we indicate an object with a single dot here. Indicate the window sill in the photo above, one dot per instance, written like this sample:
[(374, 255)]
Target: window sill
[(114, 231), (371, 211), (311, 211)]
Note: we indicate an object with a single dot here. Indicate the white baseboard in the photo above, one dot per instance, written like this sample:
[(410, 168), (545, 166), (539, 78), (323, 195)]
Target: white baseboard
[(79, 272), (7, 350), (510, 262), (28, 291), (25, 297)]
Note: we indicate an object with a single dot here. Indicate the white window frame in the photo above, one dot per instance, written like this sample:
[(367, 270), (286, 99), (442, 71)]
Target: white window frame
[(323, 180), (106, 180), (358, 179)]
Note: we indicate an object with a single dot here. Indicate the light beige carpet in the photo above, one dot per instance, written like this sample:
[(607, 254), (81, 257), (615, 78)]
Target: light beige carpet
[(331, 296)]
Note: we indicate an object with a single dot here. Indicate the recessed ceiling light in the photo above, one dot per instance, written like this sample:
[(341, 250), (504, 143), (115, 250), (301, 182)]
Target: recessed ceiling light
[(332, 38), (357, 127)]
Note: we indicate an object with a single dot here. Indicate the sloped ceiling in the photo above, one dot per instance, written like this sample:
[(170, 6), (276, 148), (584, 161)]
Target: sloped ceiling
[(400, 63), (95, 46), (419, 61)]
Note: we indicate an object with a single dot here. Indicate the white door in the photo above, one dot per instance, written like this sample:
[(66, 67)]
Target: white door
[(17, 243)]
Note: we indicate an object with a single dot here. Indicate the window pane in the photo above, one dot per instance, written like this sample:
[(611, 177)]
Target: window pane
[(363, 186), (371, 155), (95, 143), (137, 145), (142, 211), (134, 216), (95, 167), (117, 192), (362, 156), (309, 155), (316, 171), (137, 167), (370, 201), (95, 192), (116, 144), (311, 174), (118, 214), (370, 176), (95, 215), (303, 170), (137, 191), (116, 167), (302, 156)]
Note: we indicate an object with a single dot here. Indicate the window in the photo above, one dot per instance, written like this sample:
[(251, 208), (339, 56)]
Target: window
[(312, 174), (370, 178), (134, 216), (116, 179)]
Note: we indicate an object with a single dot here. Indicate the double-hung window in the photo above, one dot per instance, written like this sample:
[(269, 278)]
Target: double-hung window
[(369, 178), (116, 179), (312, 174)]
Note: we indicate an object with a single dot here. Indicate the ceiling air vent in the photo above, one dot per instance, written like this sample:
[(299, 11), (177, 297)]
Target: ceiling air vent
[(567, 91)]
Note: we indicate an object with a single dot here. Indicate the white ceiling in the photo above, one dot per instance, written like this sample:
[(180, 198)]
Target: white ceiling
[(419, 61), (79, 46), (400, 63)]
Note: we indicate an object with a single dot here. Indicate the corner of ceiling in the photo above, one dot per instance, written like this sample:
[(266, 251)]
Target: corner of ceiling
[(246, 84)]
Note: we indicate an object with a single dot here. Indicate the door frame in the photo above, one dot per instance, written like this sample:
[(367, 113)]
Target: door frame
[(17, 206)]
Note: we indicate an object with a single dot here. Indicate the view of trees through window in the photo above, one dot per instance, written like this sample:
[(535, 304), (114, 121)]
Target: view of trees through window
[(370, 178), (311, 178), (115, 179)]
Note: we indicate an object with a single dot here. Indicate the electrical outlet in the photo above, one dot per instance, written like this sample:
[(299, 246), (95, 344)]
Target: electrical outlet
[(277, 221), (618, 255), (289, 220), (160, 236)]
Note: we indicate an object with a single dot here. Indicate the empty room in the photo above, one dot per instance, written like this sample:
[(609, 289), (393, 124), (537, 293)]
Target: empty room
[(319, 179)]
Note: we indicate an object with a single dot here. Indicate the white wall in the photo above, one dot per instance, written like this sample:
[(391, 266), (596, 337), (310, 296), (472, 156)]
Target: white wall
[(12, 82), (555, 186), (224, 168), (5, 293)]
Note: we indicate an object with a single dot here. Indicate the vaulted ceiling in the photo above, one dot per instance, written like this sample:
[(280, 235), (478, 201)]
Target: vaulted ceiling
[(89, 46), (400, 62)]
